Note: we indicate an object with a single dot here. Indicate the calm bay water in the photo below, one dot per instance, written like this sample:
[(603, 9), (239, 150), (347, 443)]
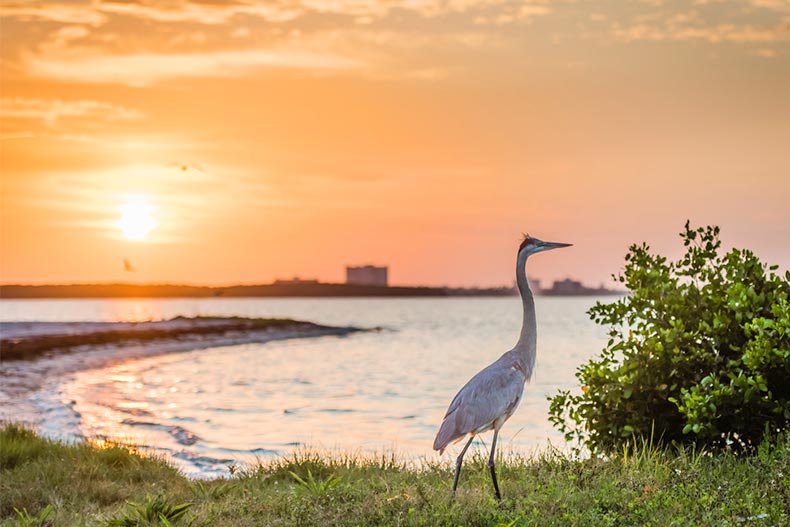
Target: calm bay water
[(368, 392)]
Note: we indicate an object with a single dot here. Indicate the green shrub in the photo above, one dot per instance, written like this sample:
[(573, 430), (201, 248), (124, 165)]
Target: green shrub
[(698, 353)]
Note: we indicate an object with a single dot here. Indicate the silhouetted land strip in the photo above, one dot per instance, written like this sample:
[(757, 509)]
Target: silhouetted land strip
[(266, 290), (30, 346)]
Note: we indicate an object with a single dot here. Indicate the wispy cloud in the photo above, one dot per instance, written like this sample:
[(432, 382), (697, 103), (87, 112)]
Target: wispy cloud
[(210, 12), (367, 52), (96, 13), (217, 12), (781, 6), (66, 13), (142, 69), (10, 136), (397, 39), (712, 34), (50, 111), (203, 12), (754, 21)]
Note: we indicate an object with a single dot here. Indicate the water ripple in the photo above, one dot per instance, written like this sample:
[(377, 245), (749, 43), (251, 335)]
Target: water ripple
[(366, 393)]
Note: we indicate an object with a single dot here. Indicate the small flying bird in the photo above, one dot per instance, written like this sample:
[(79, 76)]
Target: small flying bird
[(127, 266), (186, 166), (491, 396)]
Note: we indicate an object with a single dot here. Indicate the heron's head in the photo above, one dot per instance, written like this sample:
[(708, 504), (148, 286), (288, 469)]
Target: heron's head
[(532, 245)]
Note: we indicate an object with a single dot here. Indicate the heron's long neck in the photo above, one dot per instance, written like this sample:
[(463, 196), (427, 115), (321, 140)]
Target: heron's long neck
[(527, 342)]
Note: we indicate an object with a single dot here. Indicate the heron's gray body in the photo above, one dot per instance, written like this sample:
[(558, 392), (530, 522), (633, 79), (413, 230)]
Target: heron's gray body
[(493, 394), (499, 386)]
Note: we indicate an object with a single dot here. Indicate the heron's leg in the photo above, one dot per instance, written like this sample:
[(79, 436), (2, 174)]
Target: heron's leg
[(458, 463), (491, 465)]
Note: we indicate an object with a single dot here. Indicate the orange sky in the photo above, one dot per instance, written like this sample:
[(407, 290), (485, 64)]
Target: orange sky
[(292, 138)]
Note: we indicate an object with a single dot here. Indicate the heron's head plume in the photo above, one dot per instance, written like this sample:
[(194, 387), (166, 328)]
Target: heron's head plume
[(531, 245)]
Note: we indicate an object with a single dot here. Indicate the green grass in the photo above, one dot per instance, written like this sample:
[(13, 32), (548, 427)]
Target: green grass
[(48, 483)]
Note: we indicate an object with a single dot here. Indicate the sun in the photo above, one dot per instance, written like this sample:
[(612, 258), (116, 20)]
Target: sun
[(136, 221)]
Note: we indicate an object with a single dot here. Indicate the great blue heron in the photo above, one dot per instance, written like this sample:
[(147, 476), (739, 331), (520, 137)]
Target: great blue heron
[(491, 396)]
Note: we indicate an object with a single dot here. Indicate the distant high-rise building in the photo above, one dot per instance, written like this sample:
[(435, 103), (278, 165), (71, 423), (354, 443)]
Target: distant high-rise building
[(367, 275), (567, 287)]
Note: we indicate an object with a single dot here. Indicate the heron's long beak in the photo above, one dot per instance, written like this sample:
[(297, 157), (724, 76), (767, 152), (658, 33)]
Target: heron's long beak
[(547, 246)]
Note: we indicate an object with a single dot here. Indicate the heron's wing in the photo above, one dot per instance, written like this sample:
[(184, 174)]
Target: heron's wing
[(492, 393)]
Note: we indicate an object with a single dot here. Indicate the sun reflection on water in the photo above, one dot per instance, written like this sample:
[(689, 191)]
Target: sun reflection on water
[(136, 309)]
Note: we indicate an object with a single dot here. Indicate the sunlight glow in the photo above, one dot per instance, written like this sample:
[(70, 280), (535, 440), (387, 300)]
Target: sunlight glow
[(136, 221)]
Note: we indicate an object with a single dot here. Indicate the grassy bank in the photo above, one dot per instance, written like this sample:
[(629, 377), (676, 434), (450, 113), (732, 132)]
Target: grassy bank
[(84, 485)]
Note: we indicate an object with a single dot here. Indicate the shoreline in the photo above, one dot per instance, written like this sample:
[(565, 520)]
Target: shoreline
[(30, 340), (21, 379)]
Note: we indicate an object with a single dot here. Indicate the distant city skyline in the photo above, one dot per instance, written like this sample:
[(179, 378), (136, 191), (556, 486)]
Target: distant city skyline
[(221, 143), (567, 285), (363, 285)]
